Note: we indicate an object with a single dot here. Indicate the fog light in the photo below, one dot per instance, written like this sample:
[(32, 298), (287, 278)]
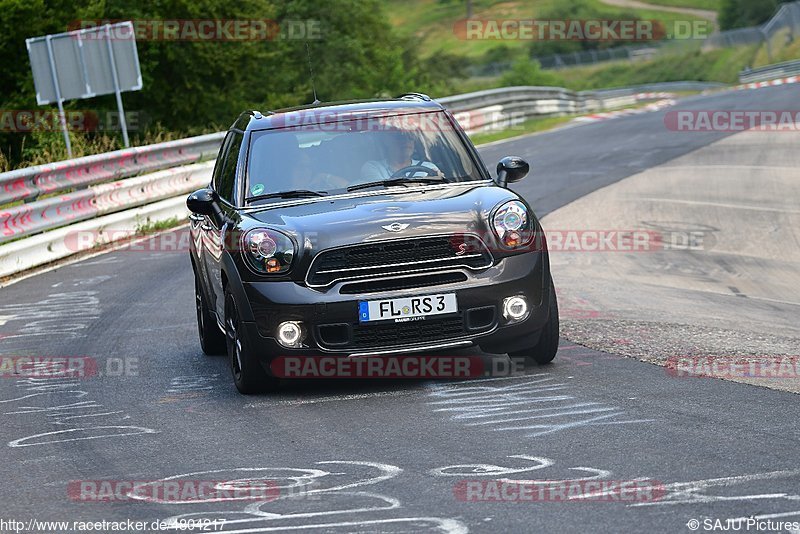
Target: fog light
[(289, 333), (515, 309)]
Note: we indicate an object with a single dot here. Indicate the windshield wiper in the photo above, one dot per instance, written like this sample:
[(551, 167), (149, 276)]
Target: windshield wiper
[(295, 193), (397, 181)]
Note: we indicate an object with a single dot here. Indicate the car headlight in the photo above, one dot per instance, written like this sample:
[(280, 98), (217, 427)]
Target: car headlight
[(512, 224), (267, 251)]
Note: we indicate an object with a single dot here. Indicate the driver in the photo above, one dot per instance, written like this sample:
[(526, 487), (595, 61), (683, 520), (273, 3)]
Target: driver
[(398, 150)]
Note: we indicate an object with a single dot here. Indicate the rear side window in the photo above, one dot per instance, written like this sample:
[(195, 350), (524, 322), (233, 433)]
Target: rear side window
[(225, 173)]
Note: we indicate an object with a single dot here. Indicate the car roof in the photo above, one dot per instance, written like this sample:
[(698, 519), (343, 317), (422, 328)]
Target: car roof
[(320, 112)]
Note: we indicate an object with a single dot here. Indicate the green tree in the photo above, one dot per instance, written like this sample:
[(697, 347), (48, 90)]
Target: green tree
[(191, 86), (743, 13), (20, 19), (527, 72)]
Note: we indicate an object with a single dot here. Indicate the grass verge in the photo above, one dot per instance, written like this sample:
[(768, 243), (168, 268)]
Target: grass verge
[(527, 127)]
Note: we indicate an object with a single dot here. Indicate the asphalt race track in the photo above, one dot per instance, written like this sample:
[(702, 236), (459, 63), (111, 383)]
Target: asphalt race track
[(394, 456)]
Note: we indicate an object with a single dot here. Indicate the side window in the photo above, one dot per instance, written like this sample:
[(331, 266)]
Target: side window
[(225, 170), (223, 149)]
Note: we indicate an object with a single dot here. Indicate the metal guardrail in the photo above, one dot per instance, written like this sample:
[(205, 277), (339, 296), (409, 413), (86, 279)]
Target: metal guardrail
[(28, 183), (770, 72), (27, 219), (507, 95), (664, 86), (491, 108)]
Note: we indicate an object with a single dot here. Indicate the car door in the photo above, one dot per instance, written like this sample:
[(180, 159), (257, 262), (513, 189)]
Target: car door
[(224, 183), (198, 225)]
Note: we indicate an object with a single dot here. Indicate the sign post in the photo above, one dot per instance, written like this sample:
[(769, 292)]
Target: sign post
[(113, 65), (62, 119)]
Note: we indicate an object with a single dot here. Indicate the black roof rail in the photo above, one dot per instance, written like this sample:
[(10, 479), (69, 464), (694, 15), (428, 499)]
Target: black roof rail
[(415, 96), (258, 115)]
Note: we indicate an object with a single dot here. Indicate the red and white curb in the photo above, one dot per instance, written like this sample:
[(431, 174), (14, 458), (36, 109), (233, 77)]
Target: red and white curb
[(655, 106), (768, 83)]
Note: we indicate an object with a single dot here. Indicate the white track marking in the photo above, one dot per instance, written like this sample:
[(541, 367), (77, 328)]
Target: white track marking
[(303, 477), (134, 430), (526, 411), (499, 405), (687, 492), (544, 429), (59, 413), (715, 204), (449, 526), (492, 470), (389, 471), (333, 398)]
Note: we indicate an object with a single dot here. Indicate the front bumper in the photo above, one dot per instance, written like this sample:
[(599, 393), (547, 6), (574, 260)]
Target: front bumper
[(331, 325)]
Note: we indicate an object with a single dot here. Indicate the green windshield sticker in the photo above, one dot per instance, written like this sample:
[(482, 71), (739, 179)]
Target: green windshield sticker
[(257, 189)]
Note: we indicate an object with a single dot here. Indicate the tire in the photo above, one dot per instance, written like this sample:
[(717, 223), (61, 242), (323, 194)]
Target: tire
[(212, 339), (248, 375), (547, 347)]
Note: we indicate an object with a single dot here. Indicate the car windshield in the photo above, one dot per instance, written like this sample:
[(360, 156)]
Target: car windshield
[(332, 157)]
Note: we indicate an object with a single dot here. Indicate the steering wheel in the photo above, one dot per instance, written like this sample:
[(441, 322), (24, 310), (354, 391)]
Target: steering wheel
[(414, 169)]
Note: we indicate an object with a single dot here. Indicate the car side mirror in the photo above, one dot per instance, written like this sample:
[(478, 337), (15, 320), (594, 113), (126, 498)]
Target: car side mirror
[(205, 202), (511, 169)]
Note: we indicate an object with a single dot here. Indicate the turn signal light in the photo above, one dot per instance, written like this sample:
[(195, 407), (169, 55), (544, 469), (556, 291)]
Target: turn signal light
[(512, 239)]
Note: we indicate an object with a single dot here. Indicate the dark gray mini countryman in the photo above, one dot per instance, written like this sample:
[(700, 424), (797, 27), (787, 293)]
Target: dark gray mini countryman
[(368, 229)]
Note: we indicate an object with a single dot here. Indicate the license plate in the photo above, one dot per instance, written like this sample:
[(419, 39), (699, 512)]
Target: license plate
[(406, 308)]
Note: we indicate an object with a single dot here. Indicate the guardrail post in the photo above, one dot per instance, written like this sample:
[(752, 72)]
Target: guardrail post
[(769, 45)]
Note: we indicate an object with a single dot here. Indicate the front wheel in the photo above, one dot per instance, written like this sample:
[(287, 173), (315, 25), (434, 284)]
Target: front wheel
[(248, 375), (545, 350)]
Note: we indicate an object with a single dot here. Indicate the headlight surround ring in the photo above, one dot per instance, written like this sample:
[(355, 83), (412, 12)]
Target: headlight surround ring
[(512, 225)]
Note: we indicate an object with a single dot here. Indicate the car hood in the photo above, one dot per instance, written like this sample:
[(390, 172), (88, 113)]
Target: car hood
[(334, 222)]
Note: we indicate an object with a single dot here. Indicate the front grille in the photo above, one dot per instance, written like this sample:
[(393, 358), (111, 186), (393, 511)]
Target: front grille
[(388, 258), (407, 282), (367, 336), (364, 336)]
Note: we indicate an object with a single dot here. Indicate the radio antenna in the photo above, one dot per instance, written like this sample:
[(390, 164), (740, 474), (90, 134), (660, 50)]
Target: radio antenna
[(311, 71)]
